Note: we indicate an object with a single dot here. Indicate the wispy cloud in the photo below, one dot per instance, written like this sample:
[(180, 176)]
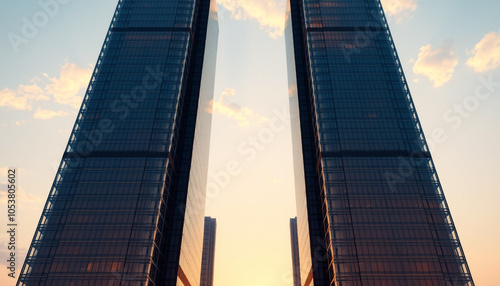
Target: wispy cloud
[(399, 9), (486, 53), (243, 115), (22, 98), (438, 64), (48, 114), (270, 14), (21, 194), (67, 90), (71, 81)]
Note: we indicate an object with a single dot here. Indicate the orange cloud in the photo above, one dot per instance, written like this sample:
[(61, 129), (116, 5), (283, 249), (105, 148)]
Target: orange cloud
[(48, 114), (66, 88), (437, 64), (20, 193), (269, 13), (399, 8), (22, 98), (23, 196), (243, 115), (486, 53)]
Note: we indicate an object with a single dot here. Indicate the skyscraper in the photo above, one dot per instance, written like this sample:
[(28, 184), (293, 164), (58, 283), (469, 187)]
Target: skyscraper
[(127, 204), (208, 257), (295, 251), (370, 207)]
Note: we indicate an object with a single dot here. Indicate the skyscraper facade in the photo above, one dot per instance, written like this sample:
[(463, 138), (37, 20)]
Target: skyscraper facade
[(294, 238), (208, 257), (370, 207), (127, 204)]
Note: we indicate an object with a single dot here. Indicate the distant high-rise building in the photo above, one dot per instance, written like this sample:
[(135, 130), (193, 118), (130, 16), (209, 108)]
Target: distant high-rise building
[(208, 257), (370, 207), (295, 251), (127, 204)]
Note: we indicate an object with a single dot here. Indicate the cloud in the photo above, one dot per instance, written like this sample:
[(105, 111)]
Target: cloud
[(22, 98), (437, 64), (243, 115), (48, 114), (486, 54), (399, 8), (21, 194), (66, 88), (269, 13)]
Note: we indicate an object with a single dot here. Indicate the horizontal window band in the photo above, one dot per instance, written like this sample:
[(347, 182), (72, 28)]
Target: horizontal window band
[(116, 154), (376, 154), (345, 29), (151, 29)]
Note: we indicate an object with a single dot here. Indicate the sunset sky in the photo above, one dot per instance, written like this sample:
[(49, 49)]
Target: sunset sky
[(450, 51)]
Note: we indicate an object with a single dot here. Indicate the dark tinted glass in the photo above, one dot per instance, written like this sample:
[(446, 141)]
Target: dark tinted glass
[(116, 212), (360, 146)]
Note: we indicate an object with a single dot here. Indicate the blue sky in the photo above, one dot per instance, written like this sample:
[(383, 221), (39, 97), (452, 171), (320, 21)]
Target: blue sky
[(450, 51)]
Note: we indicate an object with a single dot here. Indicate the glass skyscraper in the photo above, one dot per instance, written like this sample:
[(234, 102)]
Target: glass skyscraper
[(127, 204), (294, 239), (208, 257), (370, 207)]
